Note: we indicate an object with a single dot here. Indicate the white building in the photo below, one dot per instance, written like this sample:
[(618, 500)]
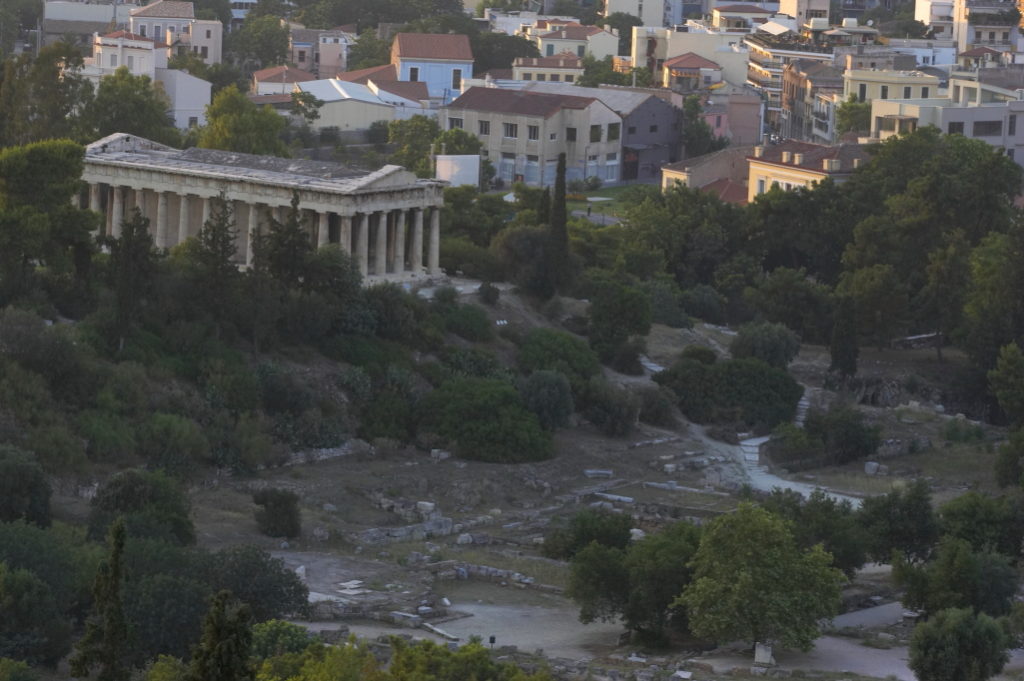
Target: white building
[(188, 95), (174, 23), (353, 106)]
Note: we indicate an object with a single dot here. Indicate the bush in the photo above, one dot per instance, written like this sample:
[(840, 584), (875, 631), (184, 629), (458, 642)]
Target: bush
[(278, 515), (844, 434), (559, 351), (657, 407), (704, 302), (612, 409), (666, 302), (173, 444), (469, 322), (548, 395), (459, 254), (792, 444), (13, 670), (773, 344), (24, 489), (489, 293), (699, 353), (605, 528), (626, 358), (1008, 461), (278, 637), (152, 503), (960, 431), (486, 419)]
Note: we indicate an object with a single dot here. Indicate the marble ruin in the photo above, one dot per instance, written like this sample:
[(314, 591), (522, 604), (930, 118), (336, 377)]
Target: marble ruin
[(379, 217)]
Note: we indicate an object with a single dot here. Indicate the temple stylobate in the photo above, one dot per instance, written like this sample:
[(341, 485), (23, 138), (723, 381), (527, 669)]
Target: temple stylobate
[(379, 217)]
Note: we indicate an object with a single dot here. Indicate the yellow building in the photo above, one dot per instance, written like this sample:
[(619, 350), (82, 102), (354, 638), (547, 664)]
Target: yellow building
[(564, 68), (792, 164), (870, 84)]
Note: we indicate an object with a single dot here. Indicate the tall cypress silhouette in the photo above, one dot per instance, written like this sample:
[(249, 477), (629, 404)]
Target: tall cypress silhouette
[(559, 271), (544, 207), (105, 629)]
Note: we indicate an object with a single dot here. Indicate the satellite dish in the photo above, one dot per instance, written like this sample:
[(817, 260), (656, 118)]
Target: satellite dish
[(871, 22)]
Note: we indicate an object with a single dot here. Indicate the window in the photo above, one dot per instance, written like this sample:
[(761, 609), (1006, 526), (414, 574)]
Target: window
[(204, 51), (653, 128), (1006, 36), (885, 92), (527, 76), (613, 156), (483, 127), (414, 73), (955, 128), (718, 121), (906, 92), (581, 50), (553, 136), (1009, 153), (595, 133), (555, 78), (569, 78), (456, 79), (987, 129), (156, 31), (550, 51), (208, 34), (541, 77), (193, 121), (613, 131), (977, 36), (1011, 125), (142, 30), (533, 132), (924, 93), (570, 134), (455, 123), (631, 130), (510, 130), (185, 29), (113, 61), (302, 55), (760, 186), (592, 157), (992, 36)]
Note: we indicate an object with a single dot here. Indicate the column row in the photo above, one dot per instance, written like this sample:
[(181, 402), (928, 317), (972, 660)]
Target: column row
[(382, 241)]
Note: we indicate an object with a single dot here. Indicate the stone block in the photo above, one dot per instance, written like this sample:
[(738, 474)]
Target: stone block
[(464, 538), (425, 507), (871, 467)]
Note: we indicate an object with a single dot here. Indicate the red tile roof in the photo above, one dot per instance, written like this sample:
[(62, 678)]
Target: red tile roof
[(573, 32), (979, 52), (379, 74), (727, 190), (814, 155), (134, 36), (518, 102), (433, 46), (282, 74), (414, 91), (690, 61)]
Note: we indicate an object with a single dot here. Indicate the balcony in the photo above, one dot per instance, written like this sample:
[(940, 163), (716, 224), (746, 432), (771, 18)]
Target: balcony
[(766, 64), (760, 80)]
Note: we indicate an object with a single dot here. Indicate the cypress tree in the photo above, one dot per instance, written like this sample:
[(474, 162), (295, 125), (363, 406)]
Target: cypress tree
[(843, 348), (559, 274), (544, 207), (224, 650), (105, 629)]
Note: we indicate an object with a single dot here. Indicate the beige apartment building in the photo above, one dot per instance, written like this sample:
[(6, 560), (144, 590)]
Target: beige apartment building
[(561, 68), (523, 133), (867, 85)]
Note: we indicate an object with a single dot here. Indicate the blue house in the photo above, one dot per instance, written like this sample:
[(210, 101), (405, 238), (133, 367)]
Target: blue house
[(442, 61)]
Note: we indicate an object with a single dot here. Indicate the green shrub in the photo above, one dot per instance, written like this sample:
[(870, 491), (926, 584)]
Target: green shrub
[(666, 302), (702, 354), (152, 503), (489, 293), (469, 322), (773, 344), (559, 351), (843, 433), (612, 409), (24, 489), (472, 362), (486, 420), (791, 444), (605, 528), (278, 515), (657, 406), (960, 431), (173, 444), (13, 670), (704, 302), (548, 395), (475, 262), (278, 637)]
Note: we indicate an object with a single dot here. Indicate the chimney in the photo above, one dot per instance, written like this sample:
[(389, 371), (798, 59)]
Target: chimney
[(758, 152), (786, 156), (798, 159)]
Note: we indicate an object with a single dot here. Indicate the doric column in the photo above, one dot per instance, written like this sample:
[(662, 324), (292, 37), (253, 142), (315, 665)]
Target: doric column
[(161, 219), (346, 233), (398, 264), (140, 201), (417, 240), (380, 250), (250, 253), (116, 212), (434, 256), (363, 244), (206, 211), (183, 218), (94, 197), (323, 230)]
